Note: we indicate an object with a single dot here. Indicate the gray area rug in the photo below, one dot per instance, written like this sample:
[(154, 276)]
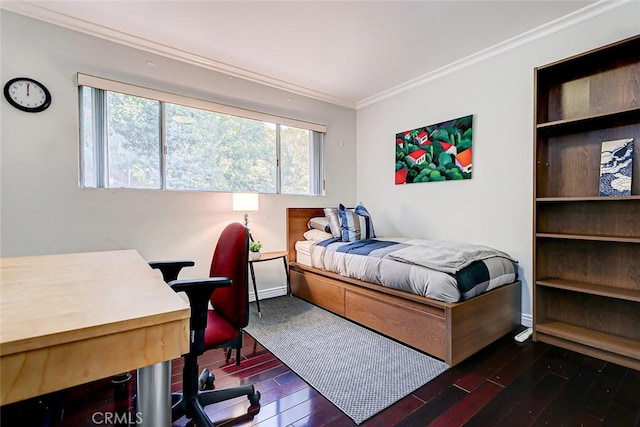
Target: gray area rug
[(358, 370)]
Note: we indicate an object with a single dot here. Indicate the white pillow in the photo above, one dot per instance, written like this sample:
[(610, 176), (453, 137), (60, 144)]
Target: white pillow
[(316, 235), (319, 223)]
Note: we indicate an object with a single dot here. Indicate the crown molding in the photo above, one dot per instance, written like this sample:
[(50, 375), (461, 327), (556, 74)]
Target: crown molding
[(547, 29), (41, 13)]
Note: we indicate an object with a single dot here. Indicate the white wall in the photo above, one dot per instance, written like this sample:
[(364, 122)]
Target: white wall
[(494, 207), (42, 209)]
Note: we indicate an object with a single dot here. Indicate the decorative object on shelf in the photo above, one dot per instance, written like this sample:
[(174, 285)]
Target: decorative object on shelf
[(615, 167), (254, 250), (437, 152), (246, 202), (27, 94)]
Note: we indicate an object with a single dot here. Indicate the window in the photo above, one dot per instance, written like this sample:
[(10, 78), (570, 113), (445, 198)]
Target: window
[(133, 137)]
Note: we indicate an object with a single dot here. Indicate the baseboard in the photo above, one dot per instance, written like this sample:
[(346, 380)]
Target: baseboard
[(526, 320), (268, 293)]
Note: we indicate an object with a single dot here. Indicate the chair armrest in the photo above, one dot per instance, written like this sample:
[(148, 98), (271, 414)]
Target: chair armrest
[(199, 291), (171, 269), (194, 286)]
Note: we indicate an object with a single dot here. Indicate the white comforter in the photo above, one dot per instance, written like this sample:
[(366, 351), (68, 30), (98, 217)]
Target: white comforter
[(381, 267)]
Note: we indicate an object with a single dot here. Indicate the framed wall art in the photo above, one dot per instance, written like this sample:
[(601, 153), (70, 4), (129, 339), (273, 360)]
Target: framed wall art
[(438, 152)]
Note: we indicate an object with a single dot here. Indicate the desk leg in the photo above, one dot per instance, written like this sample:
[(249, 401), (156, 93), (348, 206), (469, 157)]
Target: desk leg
[(154, 395), (255, 288), (286, 270)]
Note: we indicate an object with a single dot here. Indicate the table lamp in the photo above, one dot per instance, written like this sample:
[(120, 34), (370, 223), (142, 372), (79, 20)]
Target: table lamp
[(245, 202)]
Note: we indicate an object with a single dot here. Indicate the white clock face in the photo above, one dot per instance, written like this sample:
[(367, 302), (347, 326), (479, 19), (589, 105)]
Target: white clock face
[(27, 95)]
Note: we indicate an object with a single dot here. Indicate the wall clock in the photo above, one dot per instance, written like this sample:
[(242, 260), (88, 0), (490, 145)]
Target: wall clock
[(27, 94)]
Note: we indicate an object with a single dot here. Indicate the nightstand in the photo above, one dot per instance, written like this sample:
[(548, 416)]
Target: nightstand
[(268, 256)]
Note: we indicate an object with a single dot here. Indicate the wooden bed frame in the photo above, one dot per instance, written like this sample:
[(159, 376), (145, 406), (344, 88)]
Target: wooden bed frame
[(449, 331)]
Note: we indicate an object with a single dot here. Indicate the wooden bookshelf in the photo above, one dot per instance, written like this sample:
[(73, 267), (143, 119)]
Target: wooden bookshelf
[(586, 251)]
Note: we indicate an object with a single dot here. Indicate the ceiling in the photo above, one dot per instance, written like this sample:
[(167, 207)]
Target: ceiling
[(345, 52)]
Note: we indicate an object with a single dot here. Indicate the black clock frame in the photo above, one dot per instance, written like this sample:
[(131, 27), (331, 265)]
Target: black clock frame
[(47, 96)]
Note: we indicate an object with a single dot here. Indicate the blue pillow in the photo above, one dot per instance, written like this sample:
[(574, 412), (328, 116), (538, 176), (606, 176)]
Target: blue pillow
[(355, 224), (362, 211)]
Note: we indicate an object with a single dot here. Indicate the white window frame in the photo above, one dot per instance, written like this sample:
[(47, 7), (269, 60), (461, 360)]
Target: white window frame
[(84, 80)]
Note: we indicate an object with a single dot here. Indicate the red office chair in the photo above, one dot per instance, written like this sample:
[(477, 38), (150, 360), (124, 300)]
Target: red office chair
[(228, 291)]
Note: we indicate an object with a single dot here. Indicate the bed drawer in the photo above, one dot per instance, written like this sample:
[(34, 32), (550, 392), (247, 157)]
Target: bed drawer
[(422, 330), (318, 291)]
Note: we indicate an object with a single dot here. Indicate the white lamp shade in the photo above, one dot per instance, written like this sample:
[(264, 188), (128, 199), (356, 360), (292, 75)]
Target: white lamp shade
[(245, 202)]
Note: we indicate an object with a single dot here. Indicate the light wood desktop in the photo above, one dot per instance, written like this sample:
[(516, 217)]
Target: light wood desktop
[(73, 318)]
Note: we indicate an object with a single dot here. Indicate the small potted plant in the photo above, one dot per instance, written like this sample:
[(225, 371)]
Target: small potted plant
[(254, 250)]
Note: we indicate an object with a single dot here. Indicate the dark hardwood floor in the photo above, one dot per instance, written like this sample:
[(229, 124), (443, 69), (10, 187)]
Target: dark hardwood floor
[(507, 384)]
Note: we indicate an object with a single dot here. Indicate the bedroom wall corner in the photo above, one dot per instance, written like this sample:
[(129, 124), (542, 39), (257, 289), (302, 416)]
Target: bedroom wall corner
[(495, 206)]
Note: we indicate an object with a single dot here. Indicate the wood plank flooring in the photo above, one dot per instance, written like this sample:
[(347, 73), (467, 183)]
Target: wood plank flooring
[(507, 384)]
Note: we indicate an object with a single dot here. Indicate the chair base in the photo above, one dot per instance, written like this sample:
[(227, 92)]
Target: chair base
[(193, 408)]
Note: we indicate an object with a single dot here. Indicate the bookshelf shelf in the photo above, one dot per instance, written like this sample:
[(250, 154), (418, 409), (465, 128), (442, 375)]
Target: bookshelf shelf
[(590, 340), (587, 199), (582, 124), (590, 288), (588, 237)]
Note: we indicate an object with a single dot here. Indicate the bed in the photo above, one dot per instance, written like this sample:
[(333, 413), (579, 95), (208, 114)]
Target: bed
[(450, 331)]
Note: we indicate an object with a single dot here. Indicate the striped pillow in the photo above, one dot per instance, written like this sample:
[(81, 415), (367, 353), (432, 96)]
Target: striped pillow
[(355, 224), (362, 211), (334, 221)]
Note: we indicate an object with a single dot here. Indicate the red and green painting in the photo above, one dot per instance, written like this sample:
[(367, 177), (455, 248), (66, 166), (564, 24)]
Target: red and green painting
[(439, 152)]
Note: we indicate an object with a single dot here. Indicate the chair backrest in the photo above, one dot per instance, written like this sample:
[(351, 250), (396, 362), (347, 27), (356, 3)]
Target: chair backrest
[(231, 259)]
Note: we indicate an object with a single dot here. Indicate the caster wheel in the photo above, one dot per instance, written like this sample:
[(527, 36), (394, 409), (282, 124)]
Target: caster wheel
[(206, 380), (254, 400), (121, 378)]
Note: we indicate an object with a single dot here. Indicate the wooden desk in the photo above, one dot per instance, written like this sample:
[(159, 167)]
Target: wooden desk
[(74, 318), (268, 256)]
